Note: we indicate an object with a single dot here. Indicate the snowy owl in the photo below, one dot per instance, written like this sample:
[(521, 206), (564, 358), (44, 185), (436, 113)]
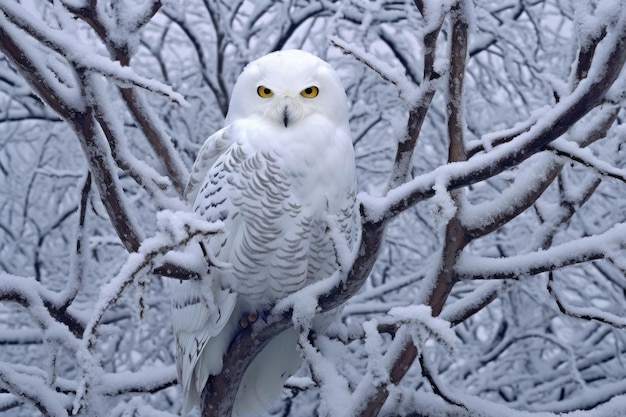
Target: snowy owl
[(280, 175)]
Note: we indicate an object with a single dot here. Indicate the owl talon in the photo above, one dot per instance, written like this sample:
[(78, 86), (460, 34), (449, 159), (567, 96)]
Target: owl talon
[(253, 316), (248, 319)]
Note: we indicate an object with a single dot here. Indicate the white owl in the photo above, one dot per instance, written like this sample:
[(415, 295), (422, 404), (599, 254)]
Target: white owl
[(279, 176)]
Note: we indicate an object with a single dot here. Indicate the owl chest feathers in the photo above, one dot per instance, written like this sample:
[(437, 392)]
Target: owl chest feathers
[(274, 197)]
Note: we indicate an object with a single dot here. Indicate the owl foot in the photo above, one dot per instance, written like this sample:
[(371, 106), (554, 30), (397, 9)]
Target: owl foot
[(247, 319)]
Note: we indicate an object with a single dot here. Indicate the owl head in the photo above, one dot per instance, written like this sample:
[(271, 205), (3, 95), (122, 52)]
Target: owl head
[(286, 87)]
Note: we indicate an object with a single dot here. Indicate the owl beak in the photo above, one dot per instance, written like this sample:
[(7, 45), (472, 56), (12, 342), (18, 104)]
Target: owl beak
[(286, 116)]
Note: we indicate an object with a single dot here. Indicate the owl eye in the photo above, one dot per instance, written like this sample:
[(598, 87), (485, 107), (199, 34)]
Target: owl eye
[(310, 92), (264, 92)]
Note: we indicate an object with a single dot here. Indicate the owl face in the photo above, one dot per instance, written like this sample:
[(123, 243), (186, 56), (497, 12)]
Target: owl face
[(285, 105), (286, 87)]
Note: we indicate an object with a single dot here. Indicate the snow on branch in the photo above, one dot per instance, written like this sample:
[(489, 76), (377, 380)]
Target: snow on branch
[(82, 57), (143, 174), (588, 94), (432, 328), (149, 380), (576, 251), (334, 388), (177, 229), (586, 157), (32, 384), (394, 76), (463, 308), (34, 389)]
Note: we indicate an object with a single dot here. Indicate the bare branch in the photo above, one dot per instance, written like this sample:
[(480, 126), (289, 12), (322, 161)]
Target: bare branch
[(584, 313)]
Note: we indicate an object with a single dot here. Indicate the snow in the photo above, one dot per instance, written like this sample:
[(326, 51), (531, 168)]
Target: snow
[(373, 345), (304, 302), (498, 342), (82, 55), (127, 381), (519, 266), (476, 216), (334, 388), (443, 206), (435, 327), (34, 388), (469, 302), (586, 156)]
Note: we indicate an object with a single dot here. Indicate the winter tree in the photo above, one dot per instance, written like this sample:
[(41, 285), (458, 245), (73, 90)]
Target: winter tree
[(490, 278)]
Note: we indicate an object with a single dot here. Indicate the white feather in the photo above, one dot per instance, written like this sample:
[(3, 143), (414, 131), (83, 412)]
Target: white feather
[(280, 168)]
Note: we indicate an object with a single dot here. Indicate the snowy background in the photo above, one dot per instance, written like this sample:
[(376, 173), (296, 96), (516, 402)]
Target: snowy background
[(489, 138)]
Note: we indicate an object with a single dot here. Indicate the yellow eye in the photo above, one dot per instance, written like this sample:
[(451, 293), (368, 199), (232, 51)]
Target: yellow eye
[(264, 92), (310, 92)]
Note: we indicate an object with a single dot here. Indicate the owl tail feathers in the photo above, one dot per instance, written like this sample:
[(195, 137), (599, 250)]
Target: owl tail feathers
[(203, 354), (264, 378)]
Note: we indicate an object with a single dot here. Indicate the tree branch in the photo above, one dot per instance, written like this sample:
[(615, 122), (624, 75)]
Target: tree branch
[(588, 94), (516, 267), (584, 313), (456, 237)]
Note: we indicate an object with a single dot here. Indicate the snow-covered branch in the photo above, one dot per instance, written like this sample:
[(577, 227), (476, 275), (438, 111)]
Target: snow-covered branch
[(489, 146), (81, 59), (588, 94), (581, 250)]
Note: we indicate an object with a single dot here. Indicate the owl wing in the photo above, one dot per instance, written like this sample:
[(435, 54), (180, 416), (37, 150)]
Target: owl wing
[(210, 151), (203, 316), (203, 324)]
